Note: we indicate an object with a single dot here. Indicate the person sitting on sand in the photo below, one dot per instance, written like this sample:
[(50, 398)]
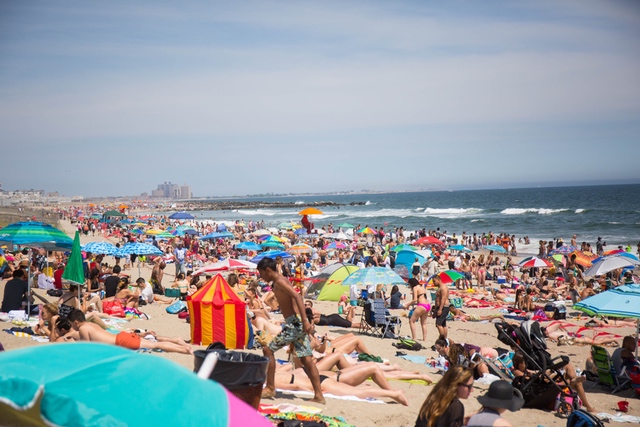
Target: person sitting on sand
[(520, 369), (298, 381), (495, 402), (132, 340), (461, 315)]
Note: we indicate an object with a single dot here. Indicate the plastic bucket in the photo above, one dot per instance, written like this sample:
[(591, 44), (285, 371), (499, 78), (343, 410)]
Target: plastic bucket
[(243, 374)]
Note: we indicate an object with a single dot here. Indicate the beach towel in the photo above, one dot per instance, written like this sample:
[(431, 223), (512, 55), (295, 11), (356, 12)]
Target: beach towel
[(331, 396), (300, 416)]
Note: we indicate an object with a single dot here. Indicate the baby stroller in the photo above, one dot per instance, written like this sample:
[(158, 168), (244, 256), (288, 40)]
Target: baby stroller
[(546, 388)]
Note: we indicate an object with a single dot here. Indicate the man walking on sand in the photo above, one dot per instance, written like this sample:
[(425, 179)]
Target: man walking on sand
[(295, 330), (89, 331), (442, 306)]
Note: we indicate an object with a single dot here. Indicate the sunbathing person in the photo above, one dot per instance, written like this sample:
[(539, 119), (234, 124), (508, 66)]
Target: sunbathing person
[(344, 344), (557, 333), (333, 319), (92, 332), (298, 381), (461, 315)]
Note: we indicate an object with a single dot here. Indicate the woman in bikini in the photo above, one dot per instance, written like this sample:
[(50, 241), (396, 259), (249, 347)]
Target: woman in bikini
[(422, 308)]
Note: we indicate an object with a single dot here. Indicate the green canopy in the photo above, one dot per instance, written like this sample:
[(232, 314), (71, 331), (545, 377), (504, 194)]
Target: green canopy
[(114, 213), (74, 271)]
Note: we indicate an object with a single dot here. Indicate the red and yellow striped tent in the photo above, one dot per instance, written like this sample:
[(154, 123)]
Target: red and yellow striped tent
[(218, 314)]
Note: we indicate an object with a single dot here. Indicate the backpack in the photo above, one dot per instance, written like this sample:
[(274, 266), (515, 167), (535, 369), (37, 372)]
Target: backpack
[(407, 344), (582, 418), (177, 307)]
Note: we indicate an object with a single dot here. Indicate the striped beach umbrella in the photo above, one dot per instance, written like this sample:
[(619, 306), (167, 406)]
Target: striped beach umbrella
[(300, 248), (367, 230), (622, 301), (35, 234), (534, 262), (447, 276)]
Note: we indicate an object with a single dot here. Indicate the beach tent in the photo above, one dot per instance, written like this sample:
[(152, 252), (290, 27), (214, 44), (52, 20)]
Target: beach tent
[(327, 285), (407, 258), (218, 314)]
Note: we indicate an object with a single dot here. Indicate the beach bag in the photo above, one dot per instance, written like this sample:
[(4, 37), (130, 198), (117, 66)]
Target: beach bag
[(183, 315), (113, 308), (582, 418), (408, 344), (177, 307), (54, 292)]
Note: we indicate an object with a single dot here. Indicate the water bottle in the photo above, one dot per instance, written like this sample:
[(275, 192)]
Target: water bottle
[(101, 294), (340, 309)]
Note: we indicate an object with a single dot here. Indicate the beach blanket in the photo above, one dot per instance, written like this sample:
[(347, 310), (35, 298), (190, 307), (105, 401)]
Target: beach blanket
[(331, 396), (300, 416), (287, 407), (618, 417)]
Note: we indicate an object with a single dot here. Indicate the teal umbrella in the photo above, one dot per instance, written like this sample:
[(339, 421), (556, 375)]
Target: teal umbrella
[(496, 248), (404, 247), (345, 225), (372, 276), (74, 271), (461, 248), (91, 384)]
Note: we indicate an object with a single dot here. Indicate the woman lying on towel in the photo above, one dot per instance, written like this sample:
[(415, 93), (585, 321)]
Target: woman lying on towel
[(298, 381), (333, 319), (461, 315)]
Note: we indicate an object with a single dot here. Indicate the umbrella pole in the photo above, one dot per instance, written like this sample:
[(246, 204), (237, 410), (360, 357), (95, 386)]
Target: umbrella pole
[(29, 287)]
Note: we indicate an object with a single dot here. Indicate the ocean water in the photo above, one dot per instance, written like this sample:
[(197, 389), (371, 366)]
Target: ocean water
[(611, 212)]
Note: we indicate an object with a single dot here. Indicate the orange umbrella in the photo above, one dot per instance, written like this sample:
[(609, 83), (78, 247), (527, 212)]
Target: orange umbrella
[(310, 211), (584, 258)]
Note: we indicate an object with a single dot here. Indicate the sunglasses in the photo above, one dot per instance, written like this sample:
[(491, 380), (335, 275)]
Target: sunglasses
[(468, 386)]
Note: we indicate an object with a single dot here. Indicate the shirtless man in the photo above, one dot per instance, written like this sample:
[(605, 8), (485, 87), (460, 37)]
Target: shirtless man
[(295, 330), (92, 332), (157, 274), (442, 306)]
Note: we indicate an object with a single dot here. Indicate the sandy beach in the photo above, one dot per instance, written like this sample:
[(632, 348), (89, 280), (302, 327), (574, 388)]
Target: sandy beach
[(360, 413)]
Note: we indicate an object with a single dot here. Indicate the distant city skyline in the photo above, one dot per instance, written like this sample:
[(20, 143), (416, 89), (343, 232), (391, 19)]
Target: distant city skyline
[(110, 99)]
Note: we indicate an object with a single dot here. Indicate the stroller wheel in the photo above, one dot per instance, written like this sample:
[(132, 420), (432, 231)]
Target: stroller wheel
[(564, 409)]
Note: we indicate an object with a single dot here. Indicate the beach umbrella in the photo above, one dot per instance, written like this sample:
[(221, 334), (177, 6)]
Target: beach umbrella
[(288, 225), (87, 390), (584, 259), (181, 215), (622, 301), (140, 249), (345, 225), (34, 234), (248, 246), (271, 239), (272, 244), (459, 248), (447, 276), (534, 262), (261, 232), (608, 264), (336, 245), (338, 236), (300, 232), (403, 247), (367, 230), (218, 235), (310, 211), (621, 253), (226, 265), (300, 248), (271, 254), (373, 276), (74, 270), (564, 249), (428, 240), (496, 248), (113, 214)]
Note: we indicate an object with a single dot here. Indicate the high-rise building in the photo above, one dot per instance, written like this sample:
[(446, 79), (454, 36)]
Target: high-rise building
[(168, 190), (185, 192)]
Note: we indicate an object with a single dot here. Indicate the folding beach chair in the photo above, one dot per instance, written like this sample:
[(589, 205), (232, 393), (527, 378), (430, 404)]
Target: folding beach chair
[(376, 322), (608, 376)]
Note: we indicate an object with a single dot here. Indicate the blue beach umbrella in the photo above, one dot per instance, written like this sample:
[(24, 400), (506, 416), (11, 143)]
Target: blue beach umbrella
[(102, 248), (181, 215), (87, 390), (272, 244), (218, 235), (496, 248), (460, 248), (271, 254), (248, 246), (622, 301), (564, 250), (142, 249)]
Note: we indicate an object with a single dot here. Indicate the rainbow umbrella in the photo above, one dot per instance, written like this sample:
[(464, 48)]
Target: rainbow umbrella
[(367, 230), (87, 390), (447, 276)]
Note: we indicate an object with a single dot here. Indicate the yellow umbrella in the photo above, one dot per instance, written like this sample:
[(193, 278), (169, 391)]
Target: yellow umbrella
[(310, 211)]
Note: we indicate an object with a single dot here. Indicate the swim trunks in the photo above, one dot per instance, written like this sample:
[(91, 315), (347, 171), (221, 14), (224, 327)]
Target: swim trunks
[(292, 332), (442, 319), (129, 340)]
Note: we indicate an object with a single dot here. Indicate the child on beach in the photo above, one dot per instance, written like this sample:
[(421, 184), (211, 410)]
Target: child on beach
[(294, 330)]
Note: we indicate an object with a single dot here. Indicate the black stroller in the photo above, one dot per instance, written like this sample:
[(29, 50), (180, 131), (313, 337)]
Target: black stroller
[(547, 387)]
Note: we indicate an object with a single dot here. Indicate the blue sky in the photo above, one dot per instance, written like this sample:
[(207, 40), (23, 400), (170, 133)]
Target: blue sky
[(232, 98)]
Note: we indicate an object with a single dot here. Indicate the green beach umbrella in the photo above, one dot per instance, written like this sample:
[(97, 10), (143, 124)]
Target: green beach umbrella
[(74, 271)]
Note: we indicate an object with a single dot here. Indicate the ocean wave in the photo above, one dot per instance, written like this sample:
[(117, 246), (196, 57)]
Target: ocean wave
[(434, 211), (579, 210), (478, 220), (539, 211), (368, 202), (299, 202)]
